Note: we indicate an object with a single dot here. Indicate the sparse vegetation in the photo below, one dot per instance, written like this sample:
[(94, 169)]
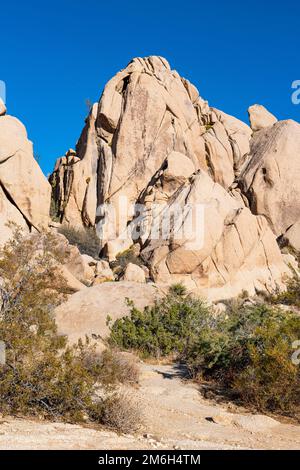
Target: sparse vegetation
[(122, 413), (42, 376), (85, 239), (123, 259), (292, 294), (248, 350)]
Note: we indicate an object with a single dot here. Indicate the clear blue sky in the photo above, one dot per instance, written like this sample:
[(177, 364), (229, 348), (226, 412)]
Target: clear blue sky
[(55, 55)]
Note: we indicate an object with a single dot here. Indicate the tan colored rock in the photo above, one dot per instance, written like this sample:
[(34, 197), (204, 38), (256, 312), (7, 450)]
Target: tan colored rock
[(147, 139), (220, 308), (79, 266), (219, 154), (21, 178), (255, 423), (158, 118), (260, 117), (85, 313), (292, 236), (252, 423), (73, 284), (74, 180), (134, 273), (179, 166), (2, 107), (270, 180), (239, 135), (103, 273), (89, 260), (8, 212), (238, 251), (291, 261), (152, 128), (146, 112)]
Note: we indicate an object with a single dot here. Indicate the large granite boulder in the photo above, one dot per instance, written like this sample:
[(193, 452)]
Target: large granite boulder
[(260, 117), (24, 191), (86, 312), (270, 179)]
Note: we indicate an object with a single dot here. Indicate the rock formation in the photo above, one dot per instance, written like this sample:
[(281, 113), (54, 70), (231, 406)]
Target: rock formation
[(148, 118), (270, 180), (260, 117), (239, 251), (153, 140), (24, 191), (85, 313)]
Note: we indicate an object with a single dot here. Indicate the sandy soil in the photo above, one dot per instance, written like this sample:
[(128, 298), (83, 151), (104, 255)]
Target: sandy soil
[(176, 416)]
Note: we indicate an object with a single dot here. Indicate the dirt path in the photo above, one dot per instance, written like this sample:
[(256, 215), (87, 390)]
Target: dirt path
[(176, 416)]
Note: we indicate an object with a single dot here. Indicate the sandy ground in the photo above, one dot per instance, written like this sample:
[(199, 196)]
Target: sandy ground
[(176, 416)]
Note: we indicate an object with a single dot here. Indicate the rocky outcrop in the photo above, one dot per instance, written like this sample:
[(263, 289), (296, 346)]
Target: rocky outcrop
[(148, 118), (24, 190), (260, 117), (270, 180), (85, 313), (134, 273), (238, 251), (74, 180), (154, 141), (292, 236), (81, 270)]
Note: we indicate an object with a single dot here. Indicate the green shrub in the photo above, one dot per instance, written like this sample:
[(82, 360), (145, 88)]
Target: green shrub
[(248, 350), (85, 239), (269, 379), (42, 376), (167, 328), (292, 294)]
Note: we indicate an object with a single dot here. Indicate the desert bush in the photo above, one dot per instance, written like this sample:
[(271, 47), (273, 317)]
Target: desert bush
[(122, 413), (114, 367), (166, 328), (248, 351), (85, 239), (263, 373), (292, 294), (42, 376)]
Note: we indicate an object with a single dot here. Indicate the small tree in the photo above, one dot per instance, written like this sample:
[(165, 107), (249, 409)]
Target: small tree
[(42, 375)]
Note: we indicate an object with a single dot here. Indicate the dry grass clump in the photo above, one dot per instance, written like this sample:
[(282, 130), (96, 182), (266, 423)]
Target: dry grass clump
[(122, 413), (85, 239)]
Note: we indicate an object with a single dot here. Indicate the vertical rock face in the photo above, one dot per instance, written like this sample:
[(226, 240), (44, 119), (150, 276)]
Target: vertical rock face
[(24, 191), (154, 141), (271, 178), (74, 180)]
